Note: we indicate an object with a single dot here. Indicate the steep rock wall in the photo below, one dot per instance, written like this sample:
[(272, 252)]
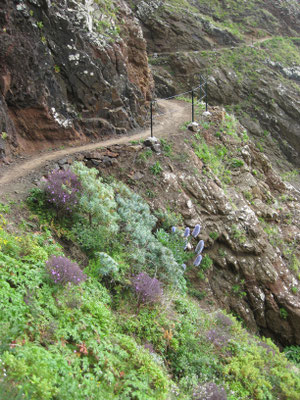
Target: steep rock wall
[(69, 71)]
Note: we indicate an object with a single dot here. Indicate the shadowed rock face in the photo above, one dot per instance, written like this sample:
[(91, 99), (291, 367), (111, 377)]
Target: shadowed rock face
[(61, 80)]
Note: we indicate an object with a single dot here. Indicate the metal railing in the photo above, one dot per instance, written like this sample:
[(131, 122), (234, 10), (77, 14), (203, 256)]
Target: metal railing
[(202, 96)]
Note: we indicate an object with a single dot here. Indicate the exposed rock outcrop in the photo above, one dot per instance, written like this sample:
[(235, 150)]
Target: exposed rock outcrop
[(70, 71), (250, 220), (274, 106)]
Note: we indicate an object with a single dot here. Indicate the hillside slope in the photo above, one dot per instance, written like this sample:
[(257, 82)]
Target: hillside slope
[(101, 295), (248, 72)]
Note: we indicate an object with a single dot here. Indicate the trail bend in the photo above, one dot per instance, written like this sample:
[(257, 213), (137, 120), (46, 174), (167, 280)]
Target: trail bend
[(174, 113)]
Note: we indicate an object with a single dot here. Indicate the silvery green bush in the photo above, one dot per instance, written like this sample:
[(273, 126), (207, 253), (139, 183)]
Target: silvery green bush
[(107, 265), (97, 217), (144, 248), (96, 200)]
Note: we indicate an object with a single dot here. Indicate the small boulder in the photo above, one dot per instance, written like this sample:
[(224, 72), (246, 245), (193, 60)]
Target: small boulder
[(193, 126), (153, 143)]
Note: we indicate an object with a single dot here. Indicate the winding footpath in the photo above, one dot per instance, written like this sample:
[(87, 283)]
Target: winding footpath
[(175, 114), (218, 49)]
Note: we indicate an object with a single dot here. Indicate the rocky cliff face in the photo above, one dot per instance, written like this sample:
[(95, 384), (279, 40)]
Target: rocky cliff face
[(171, 26), (252, 74), (69, 71), (250, 218)]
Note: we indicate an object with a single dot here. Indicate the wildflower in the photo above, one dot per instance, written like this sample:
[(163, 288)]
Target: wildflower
[(148, 289), (62, 270), (186, 232), (199, 247), (196, 230), (198, 260)]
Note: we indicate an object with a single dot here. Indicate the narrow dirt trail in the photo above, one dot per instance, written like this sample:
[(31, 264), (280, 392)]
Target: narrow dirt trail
[(248, 43), (175, 113)]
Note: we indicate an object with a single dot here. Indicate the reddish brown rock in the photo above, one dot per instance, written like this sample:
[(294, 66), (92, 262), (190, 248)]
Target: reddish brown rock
[(62, 81)]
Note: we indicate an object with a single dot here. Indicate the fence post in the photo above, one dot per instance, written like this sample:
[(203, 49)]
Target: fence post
[(206, 94), (200, 88), (151, 117), (193, 110)]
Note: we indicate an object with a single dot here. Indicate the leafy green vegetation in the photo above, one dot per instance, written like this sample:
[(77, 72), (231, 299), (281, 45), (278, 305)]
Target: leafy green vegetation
[(238, 234), (238, 18), (247, 61), (156, 168), (219, 157), (214, 157), (293, 354), (107, 25), (166, 147), (97, 332)]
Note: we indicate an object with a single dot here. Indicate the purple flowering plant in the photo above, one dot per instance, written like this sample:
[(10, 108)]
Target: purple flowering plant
[(199, 247), (196, 230), (63, 271), (218, 337), (61, 188), (187, 232), (187, 235), (147, 289), (197, 260)]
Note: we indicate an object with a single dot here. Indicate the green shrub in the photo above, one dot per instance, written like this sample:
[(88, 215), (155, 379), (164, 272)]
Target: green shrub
[(156, 168), (167, 219), (102, 265), (261, 372), (96, 199), (58, 339), (206, 263), (293, 354), (283, 313), (148, 327), (166, 147), (214, 235), (236, 163), (146, 252)]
